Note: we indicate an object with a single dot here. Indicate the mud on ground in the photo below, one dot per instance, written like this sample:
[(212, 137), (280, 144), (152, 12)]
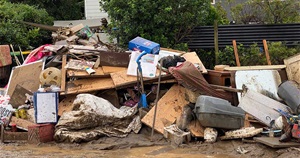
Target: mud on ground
[(140, 145)]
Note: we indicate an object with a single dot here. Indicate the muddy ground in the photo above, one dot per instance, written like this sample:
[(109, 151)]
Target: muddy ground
[(140, 145)]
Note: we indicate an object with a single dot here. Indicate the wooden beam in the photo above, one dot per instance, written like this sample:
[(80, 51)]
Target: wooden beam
[(66, 104), (169, 108), (21, 123), (275, 143), (246, 121), (216, 41), (267, 52), (196, 129), (226, 88), (112, 69), (63, 73), (259, 67), (237, 59), (122, 80), (84, 74), (293, 67), (88, 85), (193, 58), (26, 76), (15, 136)]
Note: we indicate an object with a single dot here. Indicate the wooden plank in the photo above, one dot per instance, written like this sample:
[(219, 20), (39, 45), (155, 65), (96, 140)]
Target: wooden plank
[(246, 121), (88, 85), (229, 89), (76, 28), (66, 104), (18, 97), (267, 52), (112, 96), (15, 136), (167, 81), (84, 74), (275, 143), (196, 129), (173, 50), (193, 58), (293, 67), (121, 79), (114, 59), (216, 41), (169, 108), (112, 69), (236, 54), (72, 39), (63, 73), (21, 123), (26, 76), (260, 67)]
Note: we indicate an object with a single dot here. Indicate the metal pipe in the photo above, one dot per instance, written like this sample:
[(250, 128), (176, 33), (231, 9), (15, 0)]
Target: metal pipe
[(156, 100)]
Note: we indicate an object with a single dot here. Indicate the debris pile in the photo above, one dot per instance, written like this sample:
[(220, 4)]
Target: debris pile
[(79, 89)]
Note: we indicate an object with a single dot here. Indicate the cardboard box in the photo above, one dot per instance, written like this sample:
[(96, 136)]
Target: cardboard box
[(40, 133), (148, 64), (141, 44)]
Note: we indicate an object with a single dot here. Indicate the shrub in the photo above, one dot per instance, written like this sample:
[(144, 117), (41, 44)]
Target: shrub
[(13, 32), (165, 22), (249, 56)]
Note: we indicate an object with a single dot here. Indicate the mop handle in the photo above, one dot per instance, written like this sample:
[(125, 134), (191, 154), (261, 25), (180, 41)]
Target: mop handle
[(138, 60)]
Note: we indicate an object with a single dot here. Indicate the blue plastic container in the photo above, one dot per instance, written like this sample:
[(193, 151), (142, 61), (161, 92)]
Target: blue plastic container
[(141, 44)]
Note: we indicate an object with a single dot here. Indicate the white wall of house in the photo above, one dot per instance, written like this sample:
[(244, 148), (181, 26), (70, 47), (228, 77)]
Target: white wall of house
[(92, 10)]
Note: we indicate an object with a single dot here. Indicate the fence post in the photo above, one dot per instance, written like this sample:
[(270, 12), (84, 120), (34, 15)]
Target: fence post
[(216, 41), (267, 52)]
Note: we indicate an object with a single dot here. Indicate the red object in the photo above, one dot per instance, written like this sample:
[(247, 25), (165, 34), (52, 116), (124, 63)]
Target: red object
[(296, 131), (14, 128), (40, 133), (5, 57), (37, 54)]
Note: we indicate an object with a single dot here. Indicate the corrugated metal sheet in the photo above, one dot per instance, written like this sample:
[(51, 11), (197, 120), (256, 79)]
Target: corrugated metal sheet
[(203, 37)]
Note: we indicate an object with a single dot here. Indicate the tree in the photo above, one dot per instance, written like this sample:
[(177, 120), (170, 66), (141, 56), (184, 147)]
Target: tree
[(164, 21), (13, 32), (59, 9), (267, 11)]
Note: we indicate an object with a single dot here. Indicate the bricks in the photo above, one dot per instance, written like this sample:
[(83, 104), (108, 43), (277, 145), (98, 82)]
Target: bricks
[(40, 133)]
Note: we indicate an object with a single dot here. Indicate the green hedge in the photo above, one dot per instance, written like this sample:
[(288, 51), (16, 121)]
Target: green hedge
[(249, 56)]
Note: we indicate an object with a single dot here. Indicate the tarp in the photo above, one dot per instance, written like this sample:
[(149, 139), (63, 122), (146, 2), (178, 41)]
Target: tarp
[(190, 77), (93, 117)]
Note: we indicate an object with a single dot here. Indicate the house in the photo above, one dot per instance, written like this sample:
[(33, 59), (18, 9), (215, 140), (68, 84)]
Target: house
[(227, 6), (92, 10)]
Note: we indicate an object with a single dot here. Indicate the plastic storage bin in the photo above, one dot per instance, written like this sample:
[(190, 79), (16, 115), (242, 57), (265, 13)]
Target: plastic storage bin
[(218, 113)]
